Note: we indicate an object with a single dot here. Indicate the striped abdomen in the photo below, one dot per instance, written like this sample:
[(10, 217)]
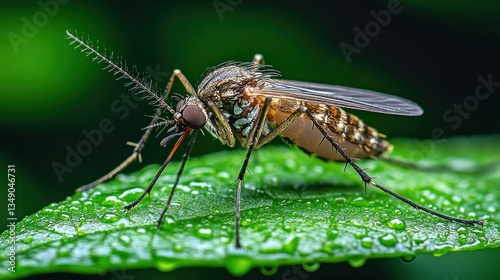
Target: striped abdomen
[(358, 139)]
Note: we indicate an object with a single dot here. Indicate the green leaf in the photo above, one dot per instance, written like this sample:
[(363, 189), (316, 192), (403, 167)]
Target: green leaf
[(296, 209)]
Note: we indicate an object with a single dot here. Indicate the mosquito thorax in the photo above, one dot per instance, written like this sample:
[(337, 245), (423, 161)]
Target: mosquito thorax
[(227, 82)]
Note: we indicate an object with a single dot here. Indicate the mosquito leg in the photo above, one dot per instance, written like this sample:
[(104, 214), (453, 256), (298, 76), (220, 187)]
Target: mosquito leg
[(255, 139), (227, 137), (140, 145), (369, 180), (183, 135), (281, 127), (179, 173)]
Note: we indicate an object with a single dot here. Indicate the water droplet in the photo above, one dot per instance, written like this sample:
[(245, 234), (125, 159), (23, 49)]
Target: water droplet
[(408, 258), (268, 271), (226, 175), (359, 201), (462, 239), (109, 218), (246, 222), (491, 209), (396, 224), (238, 264), (166, 266), (461, 230), (48, 211), (340, 200), (80, 232), (125, 240), (332, 234), (28, 239), (178, 248), (131, 194), (441, 250), (388, 240), (204, 233), (360, 234), (112, 201), (419, 238), (141, 230), (479, 232), (367, 242), (311, 266), (64, 217), (88, 206), (356, 262)]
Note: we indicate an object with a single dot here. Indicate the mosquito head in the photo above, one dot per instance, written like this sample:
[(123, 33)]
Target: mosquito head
[(190, 112)]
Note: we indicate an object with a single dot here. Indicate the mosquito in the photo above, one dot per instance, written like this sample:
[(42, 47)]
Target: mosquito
[(248, 101)]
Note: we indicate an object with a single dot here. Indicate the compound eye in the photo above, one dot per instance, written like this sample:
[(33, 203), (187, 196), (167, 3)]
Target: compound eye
[(193, 116), (179, 105)]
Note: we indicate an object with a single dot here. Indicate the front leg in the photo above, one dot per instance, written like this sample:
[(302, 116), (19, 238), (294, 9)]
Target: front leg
[(257, 131)]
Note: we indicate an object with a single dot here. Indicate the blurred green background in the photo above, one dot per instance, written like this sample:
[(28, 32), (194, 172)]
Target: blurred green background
[(431, 53)]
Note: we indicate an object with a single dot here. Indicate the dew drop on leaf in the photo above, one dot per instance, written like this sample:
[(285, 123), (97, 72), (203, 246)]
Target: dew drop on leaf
[(396, 224), (64, 216), (359, 234), (204, 233), (111, 201), (178, 248), (332, 234), (28, 239), (388, 240), (478, 232), (125, 240), (166, 266), (419, 237), (462, 239), (268, 270), (340, 200), (131, 194), (311, 266), (109, 218), (408, 258), (238, 264), (367, 242), (441, 250), (356, 262), (461, 230), (359, 201)]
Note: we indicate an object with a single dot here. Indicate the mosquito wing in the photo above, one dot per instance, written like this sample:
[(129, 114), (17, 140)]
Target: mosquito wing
[(340, 96)]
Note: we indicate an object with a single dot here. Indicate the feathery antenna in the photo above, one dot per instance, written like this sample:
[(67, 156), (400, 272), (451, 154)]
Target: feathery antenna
[(135, 83)]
